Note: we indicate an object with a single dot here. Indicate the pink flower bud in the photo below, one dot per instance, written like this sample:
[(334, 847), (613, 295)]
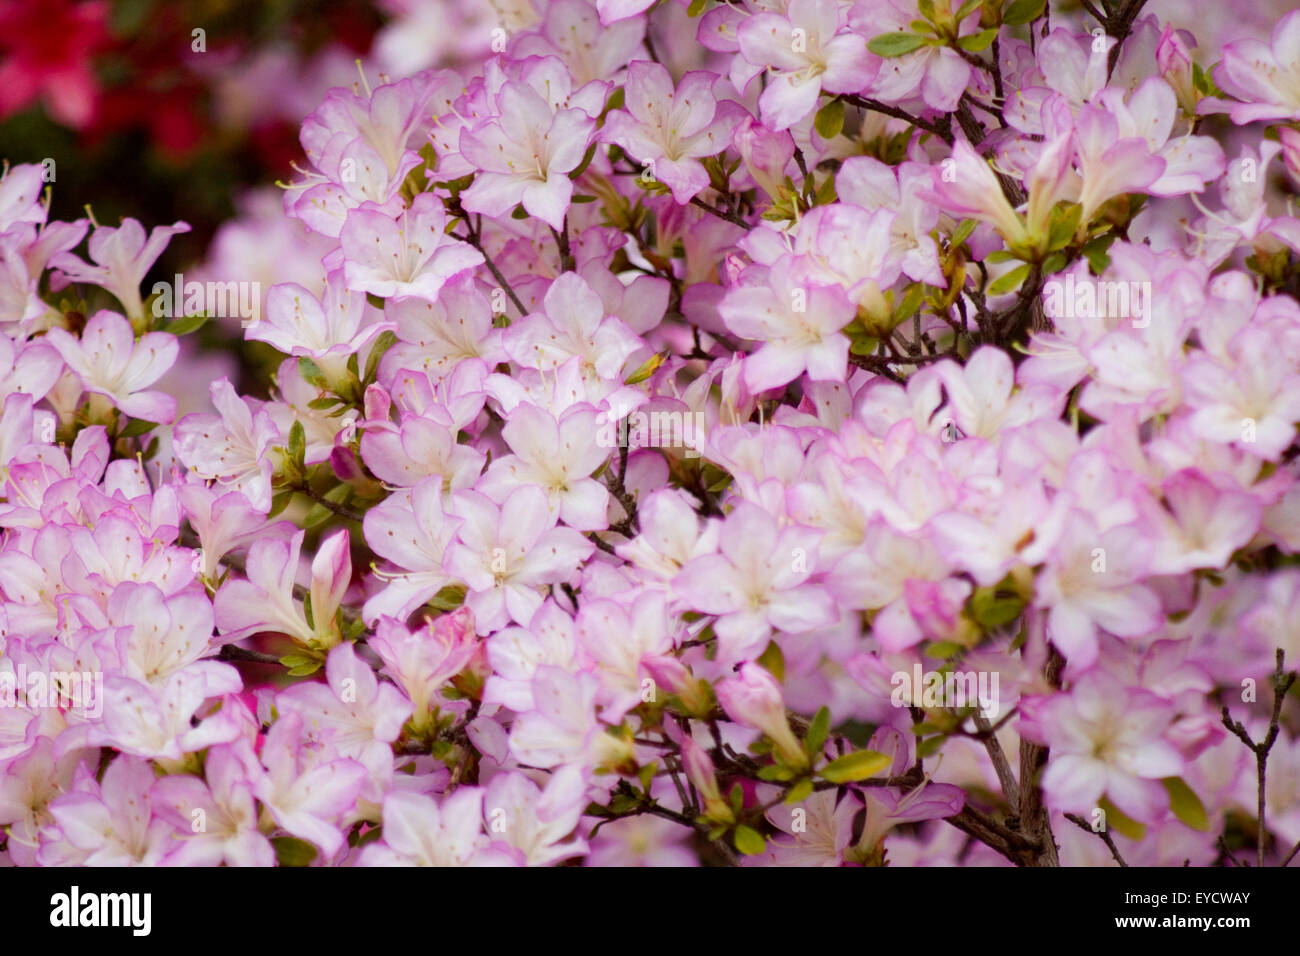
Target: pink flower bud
[(766, 154), (1291, 151), (331, 573), (754, 699)]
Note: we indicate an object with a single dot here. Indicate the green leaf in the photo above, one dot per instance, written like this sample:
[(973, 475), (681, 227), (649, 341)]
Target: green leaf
[(279, 502), (942, 650), (586, 161), (775, 773), (297, 442), (1064, 224), (696, 8), (1185, 804), (929, 746), (1009, 282), (749, 841), (186, 324), (855, 766), (382, 344), (519, 212), (830, 119), (311, 372), (1097, 254), (895, 44), (966, 10), (911, 302), (964, 231), (1120, 822), (301, 665), (137, 426), (324, 403), (999, 255), (800, 791), (736, 797), (991, 612), (449, 598), (1022, 11), (976, 42), (773, 661), (648, 368), (290, 851), (818, 731)]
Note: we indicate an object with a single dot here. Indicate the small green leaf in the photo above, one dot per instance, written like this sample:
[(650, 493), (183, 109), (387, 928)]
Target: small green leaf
[(964, 231), (290, 851), (586, 161), (1022, 11), (1097, 254), (1064, 224), (942, 650), (856, 766), (648, 368), (186, 324), (966, 10), (1009, 282), (976, 42), (818, 731), (1185, 804), (279, 502), (910, 303), (297, 442), (895, 44), (382, 344), (830, 119), (773, 661), (991, 612), (748, 841), (696, 8), (929, 746), (1120, 822), (137, 426), (311, 372), (800, 791)]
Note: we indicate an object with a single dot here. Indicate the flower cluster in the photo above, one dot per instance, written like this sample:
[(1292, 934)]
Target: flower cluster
[(805, 434)]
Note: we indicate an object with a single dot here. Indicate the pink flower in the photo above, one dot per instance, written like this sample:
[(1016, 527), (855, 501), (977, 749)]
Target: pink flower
[(307, 791), (420, 832), (671, 129), (556, 456), (122, 255), (1264, 77), (800, 326), (411, 255), (232, 448), (505, 553), (807, 54), (1106, 740), (759, 582), (110, 362), (525, 152), (753, 698)]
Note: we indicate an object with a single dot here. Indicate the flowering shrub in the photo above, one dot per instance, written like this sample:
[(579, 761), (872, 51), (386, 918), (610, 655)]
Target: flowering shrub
[(817, 434)]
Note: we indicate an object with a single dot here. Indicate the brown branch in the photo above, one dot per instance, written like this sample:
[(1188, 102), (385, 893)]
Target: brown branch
[(1281, 682)]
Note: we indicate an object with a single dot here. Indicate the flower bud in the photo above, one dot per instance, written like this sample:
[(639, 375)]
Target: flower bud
[(754, 699)]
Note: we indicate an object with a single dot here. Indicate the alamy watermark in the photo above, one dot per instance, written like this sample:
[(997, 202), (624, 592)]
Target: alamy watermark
[(81, 692), (1073, 298), (218, 299), (955, 690), (656, 429)]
